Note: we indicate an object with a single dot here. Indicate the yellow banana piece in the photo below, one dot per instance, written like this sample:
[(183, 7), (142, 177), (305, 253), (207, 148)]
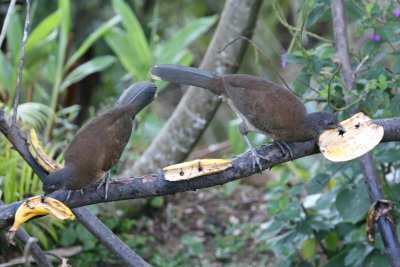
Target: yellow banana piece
[(38, 206), (195, 168), (40, 155)]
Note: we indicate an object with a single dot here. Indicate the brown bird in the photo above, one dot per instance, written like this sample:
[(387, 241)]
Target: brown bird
[(263, 106), (100, 143)]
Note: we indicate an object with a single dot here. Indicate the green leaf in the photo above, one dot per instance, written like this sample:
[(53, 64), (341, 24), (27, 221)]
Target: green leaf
[(14, 37), (318, 183), (92, 38), (302, 81), (319, 11), (308, 249), (41, 31), (94, 65), (33, 114), (332, 241), (167, 53), (136, 39), (382, 82), (157, 202), (118, 42), (353, 203), (357, 255)]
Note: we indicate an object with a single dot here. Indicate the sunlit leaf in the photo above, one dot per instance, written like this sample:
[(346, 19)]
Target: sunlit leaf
[(95, 65), (168, 51), (45, 27), (91, 39)]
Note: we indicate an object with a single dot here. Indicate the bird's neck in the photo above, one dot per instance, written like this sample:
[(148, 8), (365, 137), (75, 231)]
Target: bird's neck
[(312, 128)]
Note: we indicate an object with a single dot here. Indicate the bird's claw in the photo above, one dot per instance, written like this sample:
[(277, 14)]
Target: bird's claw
[(285, 148)]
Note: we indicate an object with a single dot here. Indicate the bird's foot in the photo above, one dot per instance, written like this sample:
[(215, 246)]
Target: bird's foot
[(256, 156), (106, 182), (284, 147), (256, 159)]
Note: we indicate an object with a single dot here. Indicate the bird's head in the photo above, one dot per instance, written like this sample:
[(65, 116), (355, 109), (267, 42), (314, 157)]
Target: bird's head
[(139, 92), (321, 121)]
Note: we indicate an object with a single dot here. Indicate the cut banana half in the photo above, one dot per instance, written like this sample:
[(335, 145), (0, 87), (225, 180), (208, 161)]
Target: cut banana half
[(361, 136), (37, 152), (38, 206), (191, 169)]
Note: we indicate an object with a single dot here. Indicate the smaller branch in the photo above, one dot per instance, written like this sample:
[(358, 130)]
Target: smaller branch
[(22, 59), (386, 228), (341, 42), (108, 238), (7, 21)]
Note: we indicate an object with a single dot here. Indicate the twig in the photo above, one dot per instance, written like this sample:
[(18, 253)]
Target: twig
[(7, 21), (21, 61), (37, 253), (109, 239)]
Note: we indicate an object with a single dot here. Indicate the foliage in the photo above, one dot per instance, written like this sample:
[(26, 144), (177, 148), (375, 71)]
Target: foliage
[(320, 221), (138, 55)]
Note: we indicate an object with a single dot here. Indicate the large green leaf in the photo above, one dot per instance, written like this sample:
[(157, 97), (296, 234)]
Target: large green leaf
[(168, 52), (45, 27), (94, 65), (118, 42), (33, 114), (92, 38), (135, 36), (14, 37)]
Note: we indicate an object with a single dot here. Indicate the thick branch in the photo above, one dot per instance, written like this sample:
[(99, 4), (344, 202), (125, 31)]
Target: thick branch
[(155, 184), (197, 107)]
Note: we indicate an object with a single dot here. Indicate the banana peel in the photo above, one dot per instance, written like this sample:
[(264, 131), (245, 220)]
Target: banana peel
[(38, 206), (361, 136), (37, 152), (195, 168)]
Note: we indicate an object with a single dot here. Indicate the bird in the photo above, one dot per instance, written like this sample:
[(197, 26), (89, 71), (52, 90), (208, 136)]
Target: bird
[(263, 106), (98, 145)]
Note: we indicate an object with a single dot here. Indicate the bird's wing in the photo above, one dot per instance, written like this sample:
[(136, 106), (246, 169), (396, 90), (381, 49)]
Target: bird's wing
[(100, 142), (267, 106)]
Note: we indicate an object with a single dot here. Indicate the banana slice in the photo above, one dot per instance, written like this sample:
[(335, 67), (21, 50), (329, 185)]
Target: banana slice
[(361, 136), (195, 168), (40, 155), (38, 206)]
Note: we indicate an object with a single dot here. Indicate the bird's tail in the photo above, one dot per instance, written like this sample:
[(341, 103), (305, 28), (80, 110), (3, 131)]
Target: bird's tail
[(137, 96), (186, 75)]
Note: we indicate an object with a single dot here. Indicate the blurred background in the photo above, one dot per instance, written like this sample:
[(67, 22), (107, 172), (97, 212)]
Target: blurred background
[(81, 55)]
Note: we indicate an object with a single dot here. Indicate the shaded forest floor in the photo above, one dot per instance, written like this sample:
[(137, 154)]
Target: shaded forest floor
[(211, 227)]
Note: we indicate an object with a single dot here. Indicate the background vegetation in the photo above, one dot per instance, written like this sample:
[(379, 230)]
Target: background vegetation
[(310, 212)]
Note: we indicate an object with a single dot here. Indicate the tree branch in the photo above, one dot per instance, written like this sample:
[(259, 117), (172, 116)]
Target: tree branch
[(155, 184), (197, 107)]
